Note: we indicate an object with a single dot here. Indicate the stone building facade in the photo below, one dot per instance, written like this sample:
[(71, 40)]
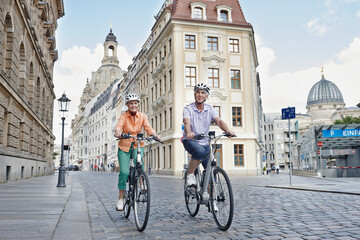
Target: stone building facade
[(192, 42), (27, 57)]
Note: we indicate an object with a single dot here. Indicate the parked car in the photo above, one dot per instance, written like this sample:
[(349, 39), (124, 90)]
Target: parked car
[(73, 168)]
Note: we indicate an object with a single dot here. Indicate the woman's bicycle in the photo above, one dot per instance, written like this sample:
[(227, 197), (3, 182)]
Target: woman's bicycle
[(213, 188), (137, 192)]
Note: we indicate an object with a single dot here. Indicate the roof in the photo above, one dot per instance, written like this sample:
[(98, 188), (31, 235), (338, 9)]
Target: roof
[(338, 142), (182, 9), (110, 37), (324, 91)]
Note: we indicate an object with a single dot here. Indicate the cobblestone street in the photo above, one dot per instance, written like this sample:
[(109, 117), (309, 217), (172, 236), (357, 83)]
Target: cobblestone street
[(260, 212)]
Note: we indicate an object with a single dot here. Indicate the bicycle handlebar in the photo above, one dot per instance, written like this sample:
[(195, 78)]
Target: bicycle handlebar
[(128, 135), (202, 136)]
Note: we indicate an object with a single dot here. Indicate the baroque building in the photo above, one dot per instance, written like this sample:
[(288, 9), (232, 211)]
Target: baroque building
[(90, 129), (27, 57), (191, 42), (325, 104)]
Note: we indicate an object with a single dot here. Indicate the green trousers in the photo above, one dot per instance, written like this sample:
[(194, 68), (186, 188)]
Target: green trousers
[(124, 162)]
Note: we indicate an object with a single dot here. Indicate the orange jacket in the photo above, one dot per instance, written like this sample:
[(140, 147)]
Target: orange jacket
[(126, 124)]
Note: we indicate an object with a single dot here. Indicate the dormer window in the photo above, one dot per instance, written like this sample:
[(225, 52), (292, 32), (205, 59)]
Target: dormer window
[(198, 13), (224, 13), (198, 10)]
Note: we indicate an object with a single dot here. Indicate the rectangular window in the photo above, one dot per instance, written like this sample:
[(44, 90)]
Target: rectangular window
[(239, 155), (170, 80), (160, 87), (164, 157), (156, 62), (160, 120), (160, 56), (212, 43), (169, 45), (164, 83), (170, 156), (171, 117), (217, 109), (235, 79), (156, 123), (189, 41), (234, 45), (236, 116), (156, 96), (190, 76), (165, 122), (165, 50), (213, 77)]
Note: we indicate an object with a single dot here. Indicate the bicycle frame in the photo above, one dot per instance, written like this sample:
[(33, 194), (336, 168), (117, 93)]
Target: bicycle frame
[(209, 171)]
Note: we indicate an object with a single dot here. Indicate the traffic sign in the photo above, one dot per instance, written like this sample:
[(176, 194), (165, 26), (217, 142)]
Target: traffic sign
[(318, 152), (320, 144), (288, 113)]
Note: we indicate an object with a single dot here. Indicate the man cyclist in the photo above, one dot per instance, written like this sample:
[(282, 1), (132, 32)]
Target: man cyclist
[(197, 118)]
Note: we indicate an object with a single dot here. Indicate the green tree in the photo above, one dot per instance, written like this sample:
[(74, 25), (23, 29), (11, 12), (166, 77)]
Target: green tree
[(55, 154), (348, 120)]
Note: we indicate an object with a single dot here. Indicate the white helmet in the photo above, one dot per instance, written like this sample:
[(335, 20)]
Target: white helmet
[(202, 86), (131, 97)]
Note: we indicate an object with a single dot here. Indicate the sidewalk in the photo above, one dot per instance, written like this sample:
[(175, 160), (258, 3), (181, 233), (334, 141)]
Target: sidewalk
[(37, 209)]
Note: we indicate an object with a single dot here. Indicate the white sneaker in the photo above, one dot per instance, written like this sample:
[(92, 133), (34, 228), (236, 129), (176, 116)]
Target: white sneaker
[(191, 180), (120, 205)]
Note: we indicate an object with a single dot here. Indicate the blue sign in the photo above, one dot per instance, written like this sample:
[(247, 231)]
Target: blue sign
[(341, 133), (288, 113)]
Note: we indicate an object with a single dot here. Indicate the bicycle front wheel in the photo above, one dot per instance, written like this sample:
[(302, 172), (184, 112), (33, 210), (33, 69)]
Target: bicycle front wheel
[(191, 199), (221, 199), (142, 201), (127, 206)]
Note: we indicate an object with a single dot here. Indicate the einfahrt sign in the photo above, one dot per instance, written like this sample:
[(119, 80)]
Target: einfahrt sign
[(320, 144)]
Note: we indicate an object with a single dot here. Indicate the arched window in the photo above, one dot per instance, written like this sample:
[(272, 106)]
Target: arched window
[(198, 13), (22, 76), (31, 85), (7, 56), (224, 15), (37, 96), (111, 51)]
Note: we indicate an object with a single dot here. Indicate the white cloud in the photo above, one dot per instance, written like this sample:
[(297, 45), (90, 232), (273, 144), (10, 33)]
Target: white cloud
[(358, 14), (72, 69), (285, 89), (315, 26)]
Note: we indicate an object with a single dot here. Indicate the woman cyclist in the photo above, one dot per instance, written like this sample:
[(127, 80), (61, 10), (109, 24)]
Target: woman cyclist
[(130, 121)]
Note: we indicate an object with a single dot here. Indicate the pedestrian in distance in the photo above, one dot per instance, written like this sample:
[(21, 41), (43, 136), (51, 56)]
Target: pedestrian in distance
[(132, 121), (95, 167)]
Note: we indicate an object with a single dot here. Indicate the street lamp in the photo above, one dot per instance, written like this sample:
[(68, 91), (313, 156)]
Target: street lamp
[(63, 107)]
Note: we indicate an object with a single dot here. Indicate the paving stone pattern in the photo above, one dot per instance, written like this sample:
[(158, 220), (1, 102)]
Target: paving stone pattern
[(260, 212)]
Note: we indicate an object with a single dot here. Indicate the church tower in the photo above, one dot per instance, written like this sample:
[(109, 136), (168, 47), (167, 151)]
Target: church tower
[(110, 50), (109, 70)]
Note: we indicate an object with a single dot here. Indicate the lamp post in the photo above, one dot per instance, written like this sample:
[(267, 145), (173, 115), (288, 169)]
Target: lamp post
[(63, 107)]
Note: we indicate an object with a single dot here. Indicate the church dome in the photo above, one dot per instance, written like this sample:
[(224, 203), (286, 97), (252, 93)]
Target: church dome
[(324, 91), (110, 37)]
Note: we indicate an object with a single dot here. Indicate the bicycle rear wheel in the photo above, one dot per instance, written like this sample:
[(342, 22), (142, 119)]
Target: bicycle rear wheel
[(191, 199), (221, 199), (142, 201)]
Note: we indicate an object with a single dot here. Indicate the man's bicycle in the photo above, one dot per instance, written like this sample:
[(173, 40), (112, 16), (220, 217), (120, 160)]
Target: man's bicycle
[(213, 188), (137, 192)]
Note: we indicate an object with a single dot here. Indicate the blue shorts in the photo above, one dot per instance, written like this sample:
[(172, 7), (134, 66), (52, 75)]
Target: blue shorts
[(197, 151)]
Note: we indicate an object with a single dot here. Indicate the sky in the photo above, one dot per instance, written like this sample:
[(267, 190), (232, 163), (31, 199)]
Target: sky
[(293, 40)]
